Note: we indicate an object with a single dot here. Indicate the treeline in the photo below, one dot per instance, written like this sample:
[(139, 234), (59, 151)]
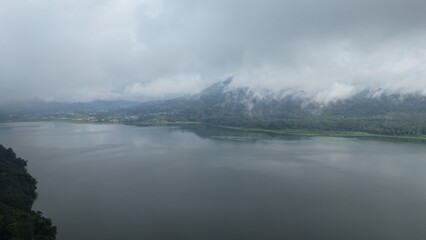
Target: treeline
[(17, 195), (393, 114), (384, 125), (410, 124)]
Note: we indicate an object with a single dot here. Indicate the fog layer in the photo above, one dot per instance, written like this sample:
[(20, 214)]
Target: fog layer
[(154, 49)]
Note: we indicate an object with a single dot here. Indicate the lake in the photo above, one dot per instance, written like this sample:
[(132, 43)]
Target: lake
[(201, 183)]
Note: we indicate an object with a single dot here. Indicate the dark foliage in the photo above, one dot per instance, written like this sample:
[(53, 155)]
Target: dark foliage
[(17, 195)]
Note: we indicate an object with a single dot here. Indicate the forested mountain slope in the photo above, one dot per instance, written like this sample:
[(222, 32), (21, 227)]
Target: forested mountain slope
[(366, 111)]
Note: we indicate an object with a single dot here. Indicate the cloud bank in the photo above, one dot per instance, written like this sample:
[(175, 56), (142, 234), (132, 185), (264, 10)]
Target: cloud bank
[(155, 49)]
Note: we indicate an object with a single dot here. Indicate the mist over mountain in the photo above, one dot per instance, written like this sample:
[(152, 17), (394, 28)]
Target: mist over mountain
[(372, 111), (143, 50), (223, 104), (225, 96)]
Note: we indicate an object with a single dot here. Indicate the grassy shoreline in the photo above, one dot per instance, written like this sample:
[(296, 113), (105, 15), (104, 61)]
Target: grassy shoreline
[(294, 132), (312, 133)]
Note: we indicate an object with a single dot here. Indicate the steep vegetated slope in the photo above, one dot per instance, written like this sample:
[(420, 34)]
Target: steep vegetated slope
[(366, 111), (17, 195)]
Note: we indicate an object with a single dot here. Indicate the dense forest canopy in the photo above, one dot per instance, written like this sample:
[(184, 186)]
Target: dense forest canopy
[(17, 195)]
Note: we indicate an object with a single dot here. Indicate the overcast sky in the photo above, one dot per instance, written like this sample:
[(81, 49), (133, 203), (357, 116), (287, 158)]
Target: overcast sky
[(79, 50)]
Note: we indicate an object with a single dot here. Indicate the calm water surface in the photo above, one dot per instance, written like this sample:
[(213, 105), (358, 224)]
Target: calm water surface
[(124, 182)]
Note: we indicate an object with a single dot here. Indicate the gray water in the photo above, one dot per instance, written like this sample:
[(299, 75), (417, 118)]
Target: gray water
[(125, 182)]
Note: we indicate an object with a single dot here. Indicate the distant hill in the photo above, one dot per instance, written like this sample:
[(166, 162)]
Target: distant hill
[(37, 106)]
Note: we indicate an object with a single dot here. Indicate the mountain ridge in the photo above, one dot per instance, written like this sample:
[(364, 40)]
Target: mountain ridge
[(220, 104), (371, 111)]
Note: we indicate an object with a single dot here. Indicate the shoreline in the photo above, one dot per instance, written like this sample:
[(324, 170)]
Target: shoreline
[(312, 133), (293, 132)]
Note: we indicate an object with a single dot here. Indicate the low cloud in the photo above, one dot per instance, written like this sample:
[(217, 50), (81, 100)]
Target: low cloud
[(339, 69), (166, 88), (155, 49)]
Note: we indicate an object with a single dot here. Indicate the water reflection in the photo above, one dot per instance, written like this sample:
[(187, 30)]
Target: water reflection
[(199, 182), (213, 132)]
